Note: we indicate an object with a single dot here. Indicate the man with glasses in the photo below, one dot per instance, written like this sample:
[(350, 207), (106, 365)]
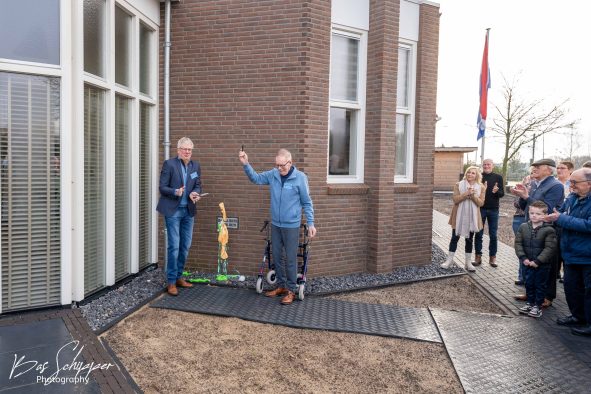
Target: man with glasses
[(489, 212), (180, 186), (548, 189), (289, 195), (574, 217)]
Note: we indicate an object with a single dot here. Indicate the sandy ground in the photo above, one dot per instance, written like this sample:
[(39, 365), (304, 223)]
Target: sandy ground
[(169, 351)]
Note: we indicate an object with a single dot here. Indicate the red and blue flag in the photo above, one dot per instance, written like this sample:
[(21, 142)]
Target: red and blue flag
[(484, 86)]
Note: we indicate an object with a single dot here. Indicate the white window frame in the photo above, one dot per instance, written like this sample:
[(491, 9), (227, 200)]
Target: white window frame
[(63, 72), (132, 92), (358, 106), (409, 110)]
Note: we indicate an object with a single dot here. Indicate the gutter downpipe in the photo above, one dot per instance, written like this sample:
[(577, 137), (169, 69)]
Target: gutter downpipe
[(166, 142)]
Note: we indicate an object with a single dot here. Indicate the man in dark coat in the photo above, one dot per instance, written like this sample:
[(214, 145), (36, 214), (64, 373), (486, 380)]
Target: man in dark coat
[(489, 212), (574, 217), (180, 186)]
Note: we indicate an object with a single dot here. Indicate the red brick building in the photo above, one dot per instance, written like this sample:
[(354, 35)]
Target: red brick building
[(349, 87)]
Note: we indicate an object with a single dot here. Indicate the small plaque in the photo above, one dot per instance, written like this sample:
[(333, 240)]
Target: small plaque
[(231, 223)]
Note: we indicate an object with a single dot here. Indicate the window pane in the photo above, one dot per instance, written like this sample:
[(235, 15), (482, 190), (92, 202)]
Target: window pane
[(94, 186), (122, 187), (30, 31), (403, 74), (94, 37), (145, 192), (30, 190), (401, 143), (122, 46), (145, 57), (343, 68), (342, 147)]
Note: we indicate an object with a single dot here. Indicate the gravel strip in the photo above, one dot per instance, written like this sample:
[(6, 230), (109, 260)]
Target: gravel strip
[(118, 302)]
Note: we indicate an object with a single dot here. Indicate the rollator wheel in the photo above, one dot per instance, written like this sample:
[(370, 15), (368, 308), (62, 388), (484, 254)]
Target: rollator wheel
[(259, 285), (271, 277), (301, 289)]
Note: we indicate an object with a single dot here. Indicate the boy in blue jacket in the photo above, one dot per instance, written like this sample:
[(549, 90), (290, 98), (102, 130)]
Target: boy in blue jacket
[(289, 195)]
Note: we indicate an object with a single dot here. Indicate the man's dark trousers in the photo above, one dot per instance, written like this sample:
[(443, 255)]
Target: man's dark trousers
[(492, 216)]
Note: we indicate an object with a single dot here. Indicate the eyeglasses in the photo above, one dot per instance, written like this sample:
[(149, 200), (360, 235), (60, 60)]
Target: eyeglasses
[(574, 183), (282, 165), (186, 149), (562, 168)]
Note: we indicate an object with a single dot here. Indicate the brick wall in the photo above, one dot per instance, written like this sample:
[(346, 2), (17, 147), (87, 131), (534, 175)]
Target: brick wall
[(414, 203), (256, 73)]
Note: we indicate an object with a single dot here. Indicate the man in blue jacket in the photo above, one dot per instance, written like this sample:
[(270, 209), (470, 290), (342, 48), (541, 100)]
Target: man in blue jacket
[(180, 186), (548, 189), (289, 195), (574, 217)]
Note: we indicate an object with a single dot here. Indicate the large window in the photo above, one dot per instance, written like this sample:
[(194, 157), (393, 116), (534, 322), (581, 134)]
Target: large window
[(145, 191), (94, 37), (347, 106), (122, 47), (405, 111), (30, 160), (30, 31), (94, 189), (122, 187)]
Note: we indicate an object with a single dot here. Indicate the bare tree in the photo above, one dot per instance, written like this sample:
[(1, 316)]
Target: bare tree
[(519, 122)]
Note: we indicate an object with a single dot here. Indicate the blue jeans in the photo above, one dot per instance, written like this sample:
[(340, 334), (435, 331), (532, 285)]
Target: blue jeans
[(453, 242), (492, 215), (577, 288), (518, 220), (180, 232), (535, 283), (286, 270)]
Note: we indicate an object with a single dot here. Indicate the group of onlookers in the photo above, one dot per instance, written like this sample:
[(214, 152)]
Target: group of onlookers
[(552, 226)]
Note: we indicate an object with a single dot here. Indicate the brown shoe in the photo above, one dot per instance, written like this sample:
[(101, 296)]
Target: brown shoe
[(520, 297), (277, 292), (492, 260), (172, 290), (288, 299), (546, 303), (183, 283), (477, 259)]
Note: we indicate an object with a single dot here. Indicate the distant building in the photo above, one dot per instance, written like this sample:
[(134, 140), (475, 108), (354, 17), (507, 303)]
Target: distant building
[(449, 166)]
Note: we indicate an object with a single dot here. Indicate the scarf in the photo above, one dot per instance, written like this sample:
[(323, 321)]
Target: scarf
[(468, 211)]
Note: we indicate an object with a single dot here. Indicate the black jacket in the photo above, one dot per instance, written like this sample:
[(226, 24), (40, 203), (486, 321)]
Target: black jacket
[(536, 244), (491, 200)]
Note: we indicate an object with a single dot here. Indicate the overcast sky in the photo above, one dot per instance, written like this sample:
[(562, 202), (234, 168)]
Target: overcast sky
[(542, 43)]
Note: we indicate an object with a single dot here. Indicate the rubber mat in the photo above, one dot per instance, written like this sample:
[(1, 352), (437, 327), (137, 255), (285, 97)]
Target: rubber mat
[(314, 312), (495, 354)]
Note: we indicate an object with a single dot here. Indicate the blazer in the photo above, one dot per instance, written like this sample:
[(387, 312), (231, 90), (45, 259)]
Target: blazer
[(171, 178)]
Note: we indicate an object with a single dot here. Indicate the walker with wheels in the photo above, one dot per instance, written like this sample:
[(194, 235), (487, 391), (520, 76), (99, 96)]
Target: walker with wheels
[(268, 264)]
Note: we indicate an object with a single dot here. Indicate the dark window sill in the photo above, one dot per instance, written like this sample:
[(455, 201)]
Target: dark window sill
[(406, 188), (350, 189)]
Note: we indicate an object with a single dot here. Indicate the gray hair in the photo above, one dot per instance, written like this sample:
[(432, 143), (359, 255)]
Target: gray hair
[(284, 153), (183, 141)]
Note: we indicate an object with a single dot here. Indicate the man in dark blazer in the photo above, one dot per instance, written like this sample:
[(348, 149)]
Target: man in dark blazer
[(180, 186)]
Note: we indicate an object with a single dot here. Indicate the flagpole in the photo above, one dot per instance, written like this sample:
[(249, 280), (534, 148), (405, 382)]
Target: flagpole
[(484, 86), (482, 151)]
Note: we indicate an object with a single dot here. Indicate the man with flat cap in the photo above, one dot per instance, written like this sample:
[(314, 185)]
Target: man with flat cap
[(548, 189)]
